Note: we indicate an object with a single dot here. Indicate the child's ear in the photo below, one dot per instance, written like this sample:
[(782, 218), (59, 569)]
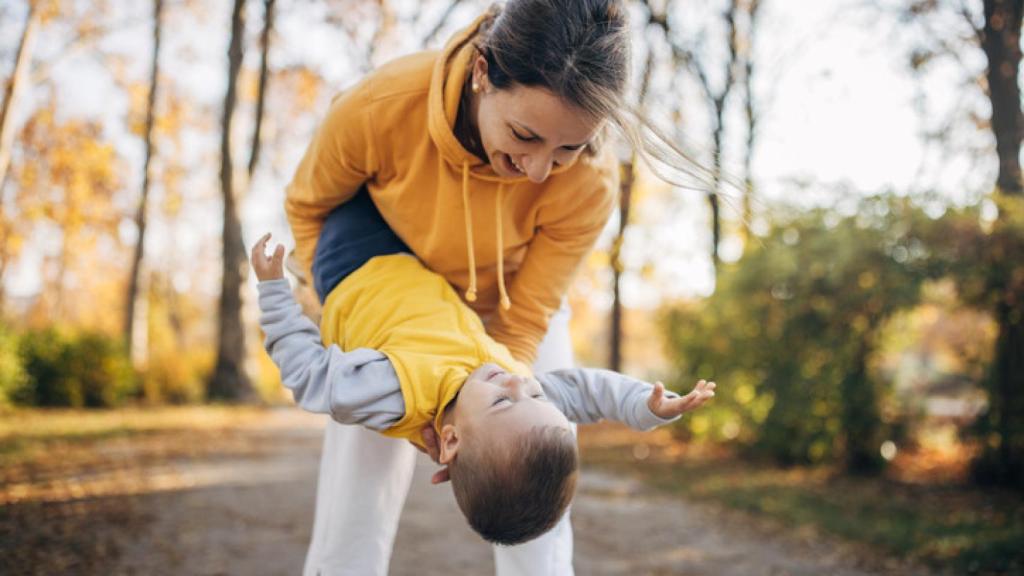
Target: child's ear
[(448, 444)]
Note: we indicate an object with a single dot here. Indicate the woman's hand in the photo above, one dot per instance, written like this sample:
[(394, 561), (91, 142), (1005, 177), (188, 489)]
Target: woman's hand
[(663, 407), (267, 267), (430, 439)]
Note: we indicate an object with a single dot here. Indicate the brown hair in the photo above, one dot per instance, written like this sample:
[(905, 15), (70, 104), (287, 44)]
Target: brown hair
[(513, 495), (580, 51)]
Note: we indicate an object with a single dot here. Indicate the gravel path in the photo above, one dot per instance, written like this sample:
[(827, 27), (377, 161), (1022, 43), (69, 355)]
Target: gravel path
[(250, 511), (252, 516)]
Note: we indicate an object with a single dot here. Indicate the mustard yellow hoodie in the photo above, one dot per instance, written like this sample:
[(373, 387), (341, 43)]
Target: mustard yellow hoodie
[(393, 132), (414, 317)]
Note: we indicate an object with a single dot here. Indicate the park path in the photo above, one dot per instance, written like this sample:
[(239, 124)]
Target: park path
[(251, 514)]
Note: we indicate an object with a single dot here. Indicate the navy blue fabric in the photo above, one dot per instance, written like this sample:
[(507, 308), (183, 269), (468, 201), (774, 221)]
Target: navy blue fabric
[(352, 234)]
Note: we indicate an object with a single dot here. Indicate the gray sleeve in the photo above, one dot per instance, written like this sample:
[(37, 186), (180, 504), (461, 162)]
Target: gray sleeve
[(356, 387), (587, 395)]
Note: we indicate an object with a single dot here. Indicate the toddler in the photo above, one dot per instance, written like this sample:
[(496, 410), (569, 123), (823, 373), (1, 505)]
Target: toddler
[(400, 350)]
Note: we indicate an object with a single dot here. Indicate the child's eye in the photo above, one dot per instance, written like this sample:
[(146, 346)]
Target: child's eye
[(538, 396), (498, 401)]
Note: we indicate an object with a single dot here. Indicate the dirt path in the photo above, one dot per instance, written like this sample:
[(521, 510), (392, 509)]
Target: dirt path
[(248, 508)]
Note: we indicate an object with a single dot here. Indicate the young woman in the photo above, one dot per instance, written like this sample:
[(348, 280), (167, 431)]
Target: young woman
[(486, 160)]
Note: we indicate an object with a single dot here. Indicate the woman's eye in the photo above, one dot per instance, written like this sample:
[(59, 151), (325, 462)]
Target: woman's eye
[(522, 137)]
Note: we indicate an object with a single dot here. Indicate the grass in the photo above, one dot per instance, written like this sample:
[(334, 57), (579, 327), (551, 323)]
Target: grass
[(25, 433), (950, 526)]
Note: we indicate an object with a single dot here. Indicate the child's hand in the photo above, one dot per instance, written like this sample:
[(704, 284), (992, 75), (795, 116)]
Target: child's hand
[(267, 267), (671, 407)]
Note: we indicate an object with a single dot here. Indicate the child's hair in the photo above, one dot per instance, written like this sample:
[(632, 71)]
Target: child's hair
[(512, 495)]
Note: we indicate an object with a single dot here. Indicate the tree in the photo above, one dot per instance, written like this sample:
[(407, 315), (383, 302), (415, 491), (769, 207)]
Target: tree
[(1003, 460), (996, 33), (66, 178), (14, 86), (738, 66), (12, 91), (140, 215), (230, 380)]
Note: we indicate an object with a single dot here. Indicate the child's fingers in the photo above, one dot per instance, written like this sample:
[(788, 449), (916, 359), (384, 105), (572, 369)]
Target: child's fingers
[(278, 258), (259, 248), (657, 394)]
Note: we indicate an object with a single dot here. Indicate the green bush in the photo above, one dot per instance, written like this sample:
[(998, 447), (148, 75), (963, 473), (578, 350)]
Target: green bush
[(75, 370), (13, 379), (791, 328)]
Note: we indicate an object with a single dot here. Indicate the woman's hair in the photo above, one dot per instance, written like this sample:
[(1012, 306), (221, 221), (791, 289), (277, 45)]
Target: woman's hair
[(580, 51)]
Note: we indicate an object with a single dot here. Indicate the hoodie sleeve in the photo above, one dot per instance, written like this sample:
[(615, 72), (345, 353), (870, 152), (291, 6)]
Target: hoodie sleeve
[(340, 158), (568, 229), (355, 387), (588, 395)]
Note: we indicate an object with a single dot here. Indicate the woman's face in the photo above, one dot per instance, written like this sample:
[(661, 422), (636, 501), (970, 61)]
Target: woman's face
[(527, 131)]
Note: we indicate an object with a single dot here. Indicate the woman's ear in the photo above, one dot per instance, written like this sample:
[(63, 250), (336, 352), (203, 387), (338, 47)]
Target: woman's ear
[(480, 81), (449, 444)]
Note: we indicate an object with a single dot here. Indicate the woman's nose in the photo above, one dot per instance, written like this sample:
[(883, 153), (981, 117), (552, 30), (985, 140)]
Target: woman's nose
[(537, 168)]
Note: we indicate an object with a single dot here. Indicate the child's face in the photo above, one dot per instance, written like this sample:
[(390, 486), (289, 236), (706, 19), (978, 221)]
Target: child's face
[(496, 406)]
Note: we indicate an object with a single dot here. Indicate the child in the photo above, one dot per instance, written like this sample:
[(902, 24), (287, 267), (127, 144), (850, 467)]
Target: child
[(403, 351)]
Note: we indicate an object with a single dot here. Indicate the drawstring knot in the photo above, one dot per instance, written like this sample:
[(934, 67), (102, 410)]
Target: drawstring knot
[(467, 214)]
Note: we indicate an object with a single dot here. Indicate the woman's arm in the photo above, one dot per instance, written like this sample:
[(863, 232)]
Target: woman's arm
[(341, 157)]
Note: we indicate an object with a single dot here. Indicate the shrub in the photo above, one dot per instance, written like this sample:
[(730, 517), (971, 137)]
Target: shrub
[(75, 370), (13, 379)]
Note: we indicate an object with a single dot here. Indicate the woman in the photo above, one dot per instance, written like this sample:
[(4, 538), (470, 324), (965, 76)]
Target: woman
[(486, 160)]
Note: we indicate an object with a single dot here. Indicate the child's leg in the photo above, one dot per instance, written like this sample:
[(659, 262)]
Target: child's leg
[(353, 233), (551, 554), (364, 479)]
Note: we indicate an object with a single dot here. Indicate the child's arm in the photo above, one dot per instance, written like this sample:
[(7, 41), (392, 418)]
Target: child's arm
[(588, 395), (357, 387)]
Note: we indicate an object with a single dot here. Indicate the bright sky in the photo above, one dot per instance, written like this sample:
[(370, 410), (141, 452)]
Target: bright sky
[(840, 112)]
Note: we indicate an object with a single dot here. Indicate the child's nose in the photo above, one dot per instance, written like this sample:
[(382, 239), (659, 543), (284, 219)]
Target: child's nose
[(515, 383)]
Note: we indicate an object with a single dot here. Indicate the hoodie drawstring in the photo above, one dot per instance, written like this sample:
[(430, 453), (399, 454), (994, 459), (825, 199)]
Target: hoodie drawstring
[(468, 217), (467, 214), (506, 303)]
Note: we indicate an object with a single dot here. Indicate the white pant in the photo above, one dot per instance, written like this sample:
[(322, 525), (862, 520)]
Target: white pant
[(365, 477)]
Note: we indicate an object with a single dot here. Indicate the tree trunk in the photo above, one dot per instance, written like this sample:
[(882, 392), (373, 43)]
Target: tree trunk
[(1002, 462), (14, 86), (261, 91), (230, 380), (750, 112), (860, 418), (1001, 42), (130, 338), (625, 201), (625, 204), (716, 216)]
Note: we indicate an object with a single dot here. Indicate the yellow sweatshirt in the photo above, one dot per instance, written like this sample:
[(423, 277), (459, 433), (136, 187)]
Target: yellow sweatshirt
[(433, 340), (393, 132)]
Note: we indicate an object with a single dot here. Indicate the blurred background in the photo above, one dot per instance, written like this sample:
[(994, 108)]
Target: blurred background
[(848, 265)]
